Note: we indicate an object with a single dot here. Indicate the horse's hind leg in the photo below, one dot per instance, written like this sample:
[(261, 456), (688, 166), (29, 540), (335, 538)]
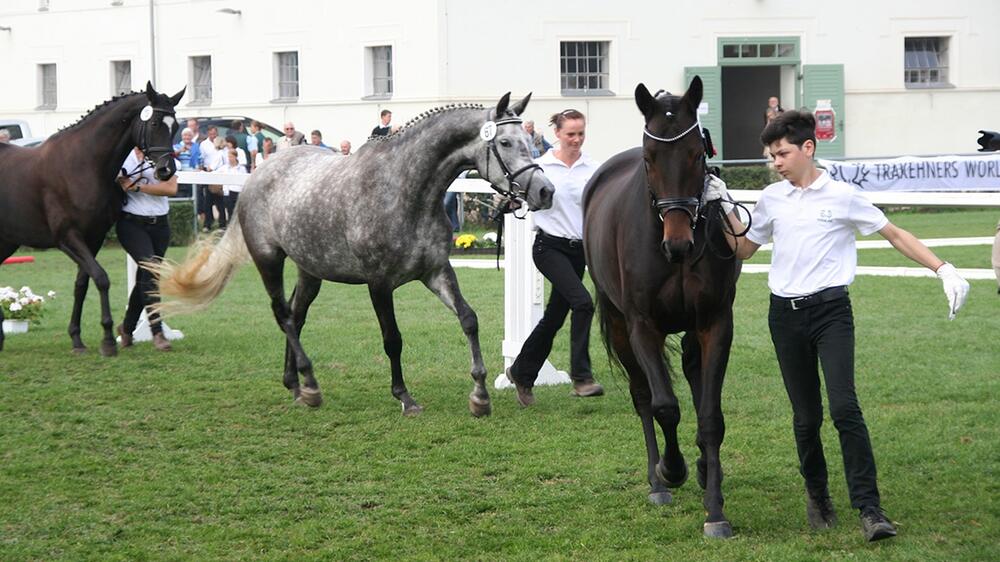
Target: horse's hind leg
[(76, 248), (271, 268), (392, 342), (303, 295), (444, 284), (79, 294), (6, 250)]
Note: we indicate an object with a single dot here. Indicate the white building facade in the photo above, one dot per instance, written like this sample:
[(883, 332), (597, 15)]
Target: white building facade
[(901, 76)]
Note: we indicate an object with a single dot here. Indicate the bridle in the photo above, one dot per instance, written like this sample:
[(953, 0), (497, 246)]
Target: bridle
[(664, 205), (147, 115), (513, 189)]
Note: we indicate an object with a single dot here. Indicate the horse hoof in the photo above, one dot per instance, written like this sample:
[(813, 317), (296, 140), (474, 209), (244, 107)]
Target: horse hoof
[(80, 350), (661, 498), (311, 397), (109, 349), (718, 530), (412, 410), (479, 407), (666, 479)]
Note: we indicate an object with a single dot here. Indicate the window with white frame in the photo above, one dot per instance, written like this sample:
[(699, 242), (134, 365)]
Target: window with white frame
[(121, 77), (583, 66), (287, 75), (379, 59), (47, 86), (200, 70), (925, 62)]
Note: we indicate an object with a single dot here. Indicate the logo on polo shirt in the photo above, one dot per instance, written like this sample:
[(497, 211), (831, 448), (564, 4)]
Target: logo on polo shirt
[(825, 215)]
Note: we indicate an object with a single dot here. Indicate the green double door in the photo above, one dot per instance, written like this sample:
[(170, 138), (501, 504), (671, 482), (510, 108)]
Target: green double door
[(817, 84)]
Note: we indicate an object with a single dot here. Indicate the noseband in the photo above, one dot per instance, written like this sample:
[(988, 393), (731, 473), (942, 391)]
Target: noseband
[(514, 189), (666, 204)]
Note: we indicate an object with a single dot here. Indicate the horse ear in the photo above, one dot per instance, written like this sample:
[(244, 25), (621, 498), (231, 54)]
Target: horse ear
[(694, 92), (502, 106), (644, 100), (518, 108), (176, 98), (150, 92)]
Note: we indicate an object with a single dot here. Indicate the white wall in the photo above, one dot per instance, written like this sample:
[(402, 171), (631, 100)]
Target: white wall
[(475, 50)]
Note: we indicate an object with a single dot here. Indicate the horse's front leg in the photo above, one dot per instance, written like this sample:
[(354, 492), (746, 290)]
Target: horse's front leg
[(444, 284), (392, 343), (77, 249), (646, 343), (79, 294), (714, 343)]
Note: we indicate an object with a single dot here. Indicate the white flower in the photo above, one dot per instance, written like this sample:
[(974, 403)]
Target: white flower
[(23, 301), (51, 294), (14, 307), (491, 236)]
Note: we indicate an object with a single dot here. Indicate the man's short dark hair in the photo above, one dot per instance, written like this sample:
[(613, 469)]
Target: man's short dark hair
[(237, 125), (794, 126), (317, 133), (384, 113)]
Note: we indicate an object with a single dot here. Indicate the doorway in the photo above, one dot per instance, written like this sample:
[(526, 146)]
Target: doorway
[(745, 90)]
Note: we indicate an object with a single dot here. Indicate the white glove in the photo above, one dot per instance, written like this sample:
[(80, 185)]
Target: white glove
[(955, 288), (715, 188)]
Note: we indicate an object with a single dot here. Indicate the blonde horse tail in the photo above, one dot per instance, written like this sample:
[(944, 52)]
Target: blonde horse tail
[(192, 285)]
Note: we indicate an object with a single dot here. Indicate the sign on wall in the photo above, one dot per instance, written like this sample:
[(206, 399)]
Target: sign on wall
[(940, 173)]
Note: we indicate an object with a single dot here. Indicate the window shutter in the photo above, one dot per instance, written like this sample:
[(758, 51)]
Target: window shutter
[(711, 80), (826, 82)]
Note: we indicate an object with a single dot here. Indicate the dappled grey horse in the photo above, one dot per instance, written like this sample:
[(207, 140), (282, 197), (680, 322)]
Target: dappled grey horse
[(375, 217)]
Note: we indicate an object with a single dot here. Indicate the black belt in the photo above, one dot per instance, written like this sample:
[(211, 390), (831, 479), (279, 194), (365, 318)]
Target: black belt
[(573, 243), (143, 219), (798, 303)]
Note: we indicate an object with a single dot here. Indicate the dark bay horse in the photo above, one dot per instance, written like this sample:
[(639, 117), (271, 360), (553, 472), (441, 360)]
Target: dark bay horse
[(63, 194), (376, 218), (660, 263)]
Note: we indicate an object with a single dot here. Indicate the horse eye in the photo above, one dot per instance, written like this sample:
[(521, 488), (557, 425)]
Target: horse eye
[(505, 143)]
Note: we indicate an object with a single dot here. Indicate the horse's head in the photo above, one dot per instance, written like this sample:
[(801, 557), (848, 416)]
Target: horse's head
[(153, 130), (673, 149), (506, 162)]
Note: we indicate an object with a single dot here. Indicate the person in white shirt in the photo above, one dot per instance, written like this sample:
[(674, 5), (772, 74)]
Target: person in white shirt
[(231, 191), (558, 255), (208, 156), (812, 220), (144, 232)]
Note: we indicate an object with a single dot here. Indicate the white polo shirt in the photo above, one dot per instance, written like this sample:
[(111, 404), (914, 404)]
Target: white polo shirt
[(138, 203), (565, 218), (813, 230)]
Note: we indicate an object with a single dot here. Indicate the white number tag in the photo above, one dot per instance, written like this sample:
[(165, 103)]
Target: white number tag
[(488, 131), (147, 113)]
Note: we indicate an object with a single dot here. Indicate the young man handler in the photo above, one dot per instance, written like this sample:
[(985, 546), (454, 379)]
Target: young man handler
[(812, 221)]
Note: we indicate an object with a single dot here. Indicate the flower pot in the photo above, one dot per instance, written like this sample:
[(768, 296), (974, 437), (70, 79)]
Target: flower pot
[(15, 326)]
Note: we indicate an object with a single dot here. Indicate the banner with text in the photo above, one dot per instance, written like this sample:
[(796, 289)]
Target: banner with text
[(939, 173)]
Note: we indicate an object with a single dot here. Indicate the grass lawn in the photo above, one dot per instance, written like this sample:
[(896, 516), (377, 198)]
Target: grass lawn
[(199, 453)]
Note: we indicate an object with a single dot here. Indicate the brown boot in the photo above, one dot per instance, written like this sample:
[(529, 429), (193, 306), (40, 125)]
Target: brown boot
[(126, 338), (525, 396), (587, 387), (161, 342)]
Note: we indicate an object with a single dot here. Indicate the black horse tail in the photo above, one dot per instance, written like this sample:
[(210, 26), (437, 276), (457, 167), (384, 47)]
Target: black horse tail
[(604, 320), (193, 284)]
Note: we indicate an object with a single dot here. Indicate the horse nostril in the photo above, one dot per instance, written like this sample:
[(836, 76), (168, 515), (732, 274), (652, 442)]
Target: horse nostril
[(665, 249)]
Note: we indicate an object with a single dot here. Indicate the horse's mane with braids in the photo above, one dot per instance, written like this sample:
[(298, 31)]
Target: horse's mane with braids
[(422, 116), (97, 110)]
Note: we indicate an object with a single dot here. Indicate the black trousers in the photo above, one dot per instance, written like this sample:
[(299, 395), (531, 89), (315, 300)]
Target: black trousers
[(218, 202), (824, 332), (562, 262), (144, 242), (231, 200)]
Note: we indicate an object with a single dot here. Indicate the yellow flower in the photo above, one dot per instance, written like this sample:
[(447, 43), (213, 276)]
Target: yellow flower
[(465, 241)]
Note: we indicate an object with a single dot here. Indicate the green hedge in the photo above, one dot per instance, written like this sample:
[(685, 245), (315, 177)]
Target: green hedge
[(182, 230), (749, 177)]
